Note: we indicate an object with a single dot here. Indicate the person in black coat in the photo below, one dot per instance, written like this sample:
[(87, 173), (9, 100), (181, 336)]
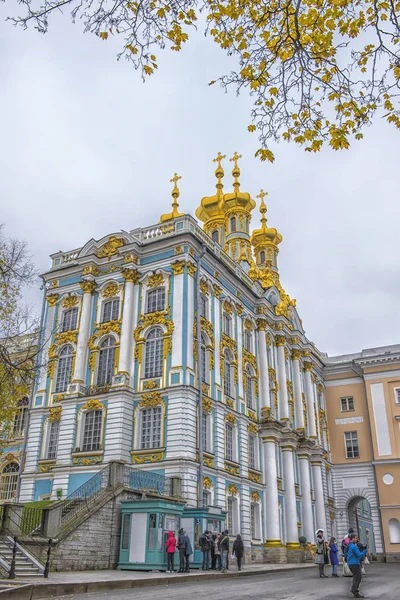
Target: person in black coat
[(238, 551)]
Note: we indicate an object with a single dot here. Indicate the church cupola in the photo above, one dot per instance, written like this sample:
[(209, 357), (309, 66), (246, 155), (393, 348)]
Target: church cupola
[(237, 212), (265, 240), (211, 209)]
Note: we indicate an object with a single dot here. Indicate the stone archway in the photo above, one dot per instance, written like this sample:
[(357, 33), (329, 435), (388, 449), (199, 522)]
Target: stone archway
[(360, 519)]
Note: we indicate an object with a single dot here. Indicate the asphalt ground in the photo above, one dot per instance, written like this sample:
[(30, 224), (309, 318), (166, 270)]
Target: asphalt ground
[(381, 581)]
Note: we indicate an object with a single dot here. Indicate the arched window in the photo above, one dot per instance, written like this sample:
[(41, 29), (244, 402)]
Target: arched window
[(203, 359), (215, 236), (155, 300), (151, 428), (20, 418), (249, 387), (227, 323), (248, 340), (204, 306), (105, 371), (394, 531), (64, 370), (110, 310), (8, 481), (70, 319), (227, 374), (92, 428), (233, 224), (153, 353), (262, 256)]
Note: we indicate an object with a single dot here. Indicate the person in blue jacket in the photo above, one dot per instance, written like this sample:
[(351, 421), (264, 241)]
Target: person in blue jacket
[(333, 551), (354, 556)]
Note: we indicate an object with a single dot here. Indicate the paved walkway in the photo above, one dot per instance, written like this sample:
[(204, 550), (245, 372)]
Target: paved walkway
[(381, 581)]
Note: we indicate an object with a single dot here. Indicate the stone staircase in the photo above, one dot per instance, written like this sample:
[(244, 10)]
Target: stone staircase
[(25, 565)]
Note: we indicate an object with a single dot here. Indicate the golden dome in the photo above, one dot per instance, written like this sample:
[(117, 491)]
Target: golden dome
[(175, 205), (266, 236), (211, 207)]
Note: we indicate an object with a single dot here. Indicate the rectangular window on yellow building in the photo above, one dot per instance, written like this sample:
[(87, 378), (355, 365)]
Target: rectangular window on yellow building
[(347, 404), (351, 443)]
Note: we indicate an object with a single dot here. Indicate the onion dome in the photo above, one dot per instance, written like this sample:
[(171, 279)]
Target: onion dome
[(265, 240), (211, 209)]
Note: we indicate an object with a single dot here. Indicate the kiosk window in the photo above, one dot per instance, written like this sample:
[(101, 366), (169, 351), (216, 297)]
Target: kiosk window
[(152, 531), (125, 532)]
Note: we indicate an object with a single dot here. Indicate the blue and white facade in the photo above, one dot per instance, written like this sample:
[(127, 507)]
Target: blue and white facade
[(120, 383)]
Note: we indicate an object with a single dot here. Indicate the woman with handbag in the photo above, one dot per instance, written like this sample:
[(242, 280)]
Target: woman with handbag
[(320, 552)]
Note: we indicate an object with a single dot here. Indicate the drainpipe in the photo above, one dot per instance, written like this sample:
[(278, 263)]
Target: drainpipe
[(33, 389), (199, 382), (360, 373)]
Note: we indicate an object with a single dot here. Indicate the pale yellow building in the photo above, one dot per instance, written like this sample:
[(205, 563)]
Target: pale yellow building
[(363, 409)]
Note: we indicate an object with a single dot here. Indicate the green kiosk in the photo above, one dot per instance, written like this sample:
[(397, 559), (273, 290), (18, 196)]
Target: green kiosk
[(145, 524)]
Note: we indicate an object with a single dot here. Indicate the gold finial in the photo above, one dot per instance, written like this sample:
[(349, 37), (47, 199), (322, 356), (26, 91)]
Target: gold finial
[(263, 208), (236, 170), (175, 194), (219, 173)]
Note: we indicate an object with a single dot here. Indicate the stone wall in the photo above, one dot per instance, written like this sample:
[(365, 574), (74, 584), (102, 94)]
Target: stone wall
[(94, 543)]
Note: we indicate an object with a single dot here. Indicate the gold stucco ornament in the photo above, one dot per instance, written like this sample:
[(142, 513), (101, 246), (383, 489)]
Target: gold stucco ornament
[(111, 247)]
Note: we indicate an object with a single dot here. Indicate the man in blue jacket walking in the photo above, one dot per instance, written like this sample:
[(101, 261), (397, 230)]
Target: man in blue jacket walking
[(354, 556)]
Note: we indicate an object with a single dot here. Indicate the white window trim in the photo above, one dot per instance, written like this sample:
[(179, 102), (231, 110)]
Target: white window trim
[(235, 434), (258, 528), (347, 404), (137, 438), (397, 395), (210, 432), (80, 430), (99, 348), (234, 529), (46, 440), (256, 452), (102, 300), (345, 445)]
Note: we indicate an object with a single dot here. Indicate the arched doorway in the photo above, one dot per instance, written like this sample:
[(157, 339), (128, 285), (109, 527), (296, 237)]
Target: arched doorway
[(361, 521)]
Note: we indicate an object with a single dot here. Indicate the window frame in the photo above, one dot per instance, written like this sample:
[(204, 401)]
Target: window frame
[(227, 324), (157, 355), (249, 388), (228, 387), (346, 400), (150, 445), (159, 302), (214, 234), (253, 464), (20, 419), (111, 302), (9, 482), (351, 439), (233, 225), (233, 522), (84, 420), (204, 306), (72, 321), (108, 351), (396, 391), (230, 456), (248, 340), (49, 440), (61, 356), (255, 522)]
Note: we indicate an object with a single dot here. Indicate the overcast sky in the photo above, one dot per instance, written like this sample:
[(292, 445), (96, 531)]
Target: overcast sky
[(88, 149)]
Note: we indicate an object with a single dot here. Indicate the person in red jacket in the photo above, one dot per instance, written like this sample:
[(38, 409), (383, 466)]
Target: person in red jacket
[(170, 545)]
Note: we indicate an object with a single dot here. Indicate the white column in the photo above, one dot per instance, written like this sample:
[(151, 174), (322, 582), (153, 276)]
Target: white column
[(298, 401), (308, 388), (177, 317), (265, 399), (88, 288), (281, 378), (319, 494), (292, 534), (270, 506), (191, 293), (125, 363), (305, 483), (48, 330)]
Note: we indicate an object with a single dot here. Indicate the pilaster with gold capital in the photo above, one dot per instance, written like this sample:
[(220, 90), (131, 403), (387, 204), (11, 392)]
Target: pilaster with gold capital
[(281, 377), (308, 389), (125, 363), (298, 401), (88, 286)]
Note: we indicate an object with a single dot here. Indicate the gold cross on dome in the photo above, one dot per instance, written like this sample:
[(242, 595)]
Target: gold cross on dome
[(235, 158), (262, 195), (175, 179), (218, 158)]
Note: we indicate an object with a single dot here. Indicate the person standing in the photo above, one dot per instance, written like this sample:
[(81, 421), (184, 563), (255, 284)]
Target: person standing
[(170, 545), (354, 556), (213, 559), (205, 546), (320, 552), (333, 555), (224, 546), (217, 552), (188, 552), (185, 550), (238, 551)]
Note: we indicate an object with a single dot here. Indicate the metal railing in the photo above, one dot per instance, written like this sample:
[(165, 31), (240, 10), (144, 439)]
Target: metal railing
[(146, 481), (84, 496), (35, 551)]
